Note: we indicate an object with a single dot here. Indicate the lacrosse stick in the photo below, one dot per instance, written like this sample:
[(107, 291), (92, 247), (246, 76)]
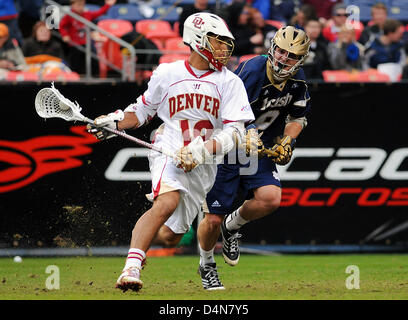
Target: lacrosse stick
[(50, 103)]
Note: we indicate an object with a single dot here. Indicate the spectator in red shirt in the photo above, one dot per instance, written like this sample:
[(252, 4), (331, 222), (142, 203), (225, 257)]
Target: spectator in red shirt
[(73, 32), (340, 17)]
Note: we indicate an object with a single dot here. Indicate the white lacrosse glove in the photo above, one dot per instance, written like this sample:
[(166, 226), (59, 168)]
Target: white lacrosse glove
[(192, 155), (110, 120)]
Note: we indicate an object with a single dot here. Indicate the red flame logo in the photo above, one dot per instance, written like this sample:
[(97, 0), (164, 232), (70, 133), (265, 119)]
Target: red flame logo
[(24, 162)]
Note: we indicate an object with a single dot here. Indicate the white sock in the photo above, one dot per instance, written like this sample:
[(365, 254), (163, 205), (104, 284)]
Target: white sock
[(206, 256), (234, 221), (135, 258)]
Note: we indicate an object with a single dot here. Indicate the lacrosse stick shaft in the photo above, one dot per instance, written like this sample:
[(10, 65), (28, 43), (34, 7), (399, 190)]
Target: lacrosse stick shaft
[(134, 139), (50, 103), (141, 142)]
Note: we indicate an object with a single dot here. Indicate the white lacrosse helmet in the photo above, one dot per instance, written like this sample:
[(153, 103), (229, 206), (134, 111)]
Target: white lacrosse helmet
[(199, 28)]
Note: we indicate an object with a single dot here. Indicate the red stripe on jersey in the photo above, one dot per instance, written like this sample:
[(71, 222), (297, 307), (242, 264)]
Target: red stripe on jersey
[(216, 87), (144, 101), (157, 189), (154, 137), (164, 98), (189, 68), (228, 121), (192, 72), (206, 74)]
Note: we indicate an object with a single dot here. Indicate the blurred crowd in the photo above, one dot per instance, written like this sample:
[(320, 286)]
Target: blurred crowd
[(339, 41)]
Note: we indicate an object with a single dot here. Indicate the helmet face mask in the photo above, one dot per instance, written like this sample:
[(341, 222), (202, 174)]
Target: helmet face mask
[(284, 63), (219, 49), (209, 36), (289, 49)]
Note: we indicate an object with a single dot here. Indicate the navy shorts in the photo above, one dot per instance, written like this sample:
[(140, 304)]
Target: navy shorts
[(229, 182)]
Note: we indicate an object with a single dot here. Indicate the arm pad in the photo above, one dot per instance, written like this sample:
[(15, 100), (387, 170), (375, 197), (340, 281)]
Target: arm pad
[(144, 113), (302, 120), (233, 134)]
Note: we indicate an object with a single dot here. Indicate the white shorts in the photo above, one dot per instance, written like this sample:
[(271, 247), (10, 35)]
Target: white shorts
[(193, 187)]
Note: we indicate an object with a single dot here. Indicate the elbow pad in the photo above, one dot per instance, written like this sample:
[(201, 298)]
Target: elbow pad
[(302, 120)]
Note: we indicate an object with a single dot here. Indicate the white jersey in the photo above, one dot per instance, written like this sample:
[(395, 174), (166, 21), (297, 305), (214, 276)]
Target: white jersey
[(191, 105)]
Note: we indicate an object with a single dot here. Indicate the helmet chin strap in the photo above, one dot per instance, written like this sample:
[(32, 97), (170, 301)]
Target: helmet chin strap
[(278, 79), (213, 63), (272, 75), (277, 75)]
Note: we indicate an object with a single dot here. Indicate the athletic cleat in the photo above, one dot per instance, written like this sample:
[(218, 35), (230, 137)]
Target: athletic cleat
[(209, 277), (230, 248), (129, 280)]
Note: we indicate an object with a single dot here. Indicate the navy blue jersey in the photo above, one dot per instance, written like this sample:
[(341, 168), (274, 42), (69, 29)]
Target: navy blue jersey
[(270, 103)]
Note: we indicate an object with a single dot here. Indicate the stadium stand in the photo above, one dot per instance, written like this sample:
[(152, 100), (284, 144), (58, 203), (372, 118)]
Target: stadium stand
[(156, 30), (92, 7), (128, 12), (336, 76), (183, 3), (327, 30), (161, 26), (166, 13), (147, 25), (176, 28), (176, 44), (364, 8), (88, 7), (161, 35), (158, 43), (21, 76), (398, 9), (275, 23), (117, 27), (167, 58), (370, 75), (61, 76), (108, 49)]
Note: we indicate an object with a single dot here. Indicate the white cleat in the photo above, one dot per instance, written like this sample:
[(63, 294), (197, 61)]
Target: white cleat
[(130, 279)]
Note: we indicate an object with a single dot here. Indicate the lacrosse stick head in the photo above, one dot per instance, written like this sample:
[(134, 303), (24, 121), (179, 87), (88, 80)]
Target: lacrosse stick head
[(50, 103)]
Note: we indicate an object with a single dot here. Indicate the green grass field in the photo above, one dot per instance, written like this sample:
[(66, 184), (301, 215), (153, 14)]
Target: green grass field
[(255, 277)]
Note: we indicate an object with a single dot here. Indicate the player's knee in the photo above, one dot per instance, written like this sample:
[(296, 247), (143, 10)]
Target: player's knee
[(214, 220), (171, 242), (268, 198), (271, 202), (167, 237), (173, 239)]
